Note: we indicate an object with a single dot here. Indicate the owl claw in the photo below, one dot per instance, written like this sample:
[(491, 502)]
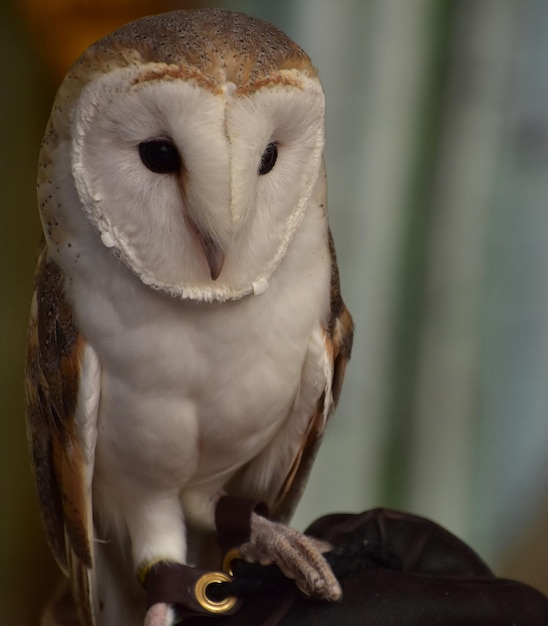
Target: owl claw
[(160, 614), (298, 556)]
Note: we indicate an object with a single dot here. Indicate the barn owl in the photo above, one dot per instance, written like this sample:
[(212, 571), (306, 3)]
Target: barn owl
[(188, 338)]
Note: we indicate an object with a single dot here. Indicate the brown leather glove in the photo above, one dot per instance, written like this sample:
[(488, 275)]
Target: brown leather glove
[(394, 568)]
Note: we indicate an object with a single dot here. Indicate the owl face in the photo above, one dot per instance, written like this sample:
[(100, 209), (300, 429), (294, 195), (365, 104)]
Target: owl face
[(194, 173)]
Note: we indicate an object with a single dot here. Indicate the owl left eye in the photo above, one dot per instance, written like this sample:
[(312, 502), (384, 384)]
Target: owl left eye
[(160, 156), (268, 160)]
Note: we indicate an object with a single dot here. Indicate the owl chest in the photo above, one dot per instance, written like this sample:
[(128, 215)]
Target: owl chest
[(202, 386)]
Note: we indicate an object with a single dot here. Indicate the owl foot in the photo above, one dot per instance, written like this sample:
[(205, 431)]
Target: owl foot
[(298, 556), (160, 614)]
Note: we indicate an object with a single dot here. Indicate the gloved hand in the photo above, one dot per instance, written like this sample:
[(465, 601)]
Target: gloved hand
[(394, 568)]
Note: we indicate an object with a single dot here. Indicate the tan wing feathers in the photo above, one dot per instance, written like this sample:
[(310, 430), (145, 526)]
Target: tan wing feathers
[(340, 328), (338, 336), (343, 336), (55, 349)]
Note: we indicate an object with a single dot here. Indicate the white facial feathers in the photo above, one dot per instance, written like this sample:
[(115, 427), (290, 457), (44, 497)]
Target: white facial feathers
[(152, 219)]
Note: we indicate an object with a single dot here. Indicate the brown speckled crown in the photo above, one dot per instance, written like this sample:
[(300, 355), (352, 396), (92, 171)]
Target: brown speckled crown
[(211, 46), (221, 45)]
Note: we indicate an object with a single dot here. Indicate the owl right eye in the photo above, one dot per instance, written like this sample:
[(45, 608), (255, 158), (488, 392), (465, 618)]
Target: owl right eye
[(268, 160), (160, 156)]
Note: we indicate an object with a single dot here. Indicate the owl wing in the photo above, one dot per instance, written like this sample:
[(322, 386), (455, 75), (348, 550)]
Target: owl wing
[(62, 397), (338, 336)]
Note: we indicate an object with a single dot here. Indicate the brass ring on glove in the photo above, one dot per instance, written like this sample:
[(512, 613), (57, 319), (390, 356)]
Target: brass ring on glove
[(213, 606), (229, 558)]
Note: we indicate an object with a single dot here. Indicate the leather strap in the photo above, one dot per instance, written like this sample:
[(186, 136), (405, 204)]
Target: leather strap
[(233, 520), (178, 584), (185, 586)]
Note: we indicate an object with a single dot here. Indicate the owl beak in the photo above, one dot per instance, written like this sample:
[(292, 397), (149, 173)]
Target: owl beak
[(215, 257)]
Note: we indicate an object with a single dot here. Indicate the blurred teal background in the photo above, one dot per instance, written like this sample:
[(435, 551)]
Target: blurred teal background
[(437, 155)]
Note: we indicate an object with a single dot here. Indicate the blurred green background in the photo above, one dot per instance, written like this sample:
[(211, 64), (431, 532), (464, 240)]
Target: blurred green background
[(25, 568), (437, 155)]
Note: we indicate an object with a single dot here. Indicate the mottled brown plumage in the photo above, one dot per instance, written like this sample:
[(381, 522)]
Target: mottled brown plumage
[(339, 335), (54, 351)]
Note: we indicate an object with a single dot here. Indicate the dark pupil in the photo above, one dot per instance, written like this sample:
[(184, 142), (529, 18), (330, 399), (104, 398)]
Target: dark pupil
[(268, 160), (160, 156)]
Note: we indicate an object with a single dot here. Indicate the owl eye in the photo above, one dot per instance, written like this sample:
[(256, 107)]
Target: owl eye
[(160, 156), (268, 160)]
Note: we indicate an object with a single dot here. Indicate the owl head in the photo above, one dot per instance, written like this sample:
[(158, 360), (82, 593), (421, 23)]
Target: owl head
[(191, 142)]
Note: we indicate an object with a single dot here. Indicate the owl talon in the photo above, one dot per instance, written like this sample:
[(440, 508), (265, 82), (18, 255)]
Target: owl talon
[(298, 556)]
